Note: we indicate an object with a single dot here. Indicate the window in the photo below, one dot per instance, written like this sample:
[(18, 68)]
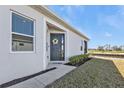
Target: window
[(81, 48), (22, 33)]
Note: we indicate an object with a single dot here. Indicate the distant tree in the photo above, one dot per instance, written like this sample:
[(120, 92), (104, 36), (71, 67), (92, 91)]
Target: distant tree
[(100, 48), (116, 48), (122, 47), (119, 48)]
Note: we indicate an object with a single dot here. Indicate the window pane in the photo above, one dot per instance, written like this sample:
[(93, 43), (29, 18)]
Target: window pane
[(22, 43), (22, 25)]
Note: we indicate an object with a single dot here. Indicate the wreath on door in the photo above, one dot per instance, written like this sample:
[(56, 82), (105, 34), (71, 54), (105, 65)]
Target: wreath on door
[(55, 41)]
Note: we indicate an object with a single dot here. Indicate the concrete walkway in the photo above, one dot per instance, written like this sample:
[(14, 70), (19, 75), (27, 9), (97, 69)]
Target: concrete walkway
[(108, 58), (46, 78)]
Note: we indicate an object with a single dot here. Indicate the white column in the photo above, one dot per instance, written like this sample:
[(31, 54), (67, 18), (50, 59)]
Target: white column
[(44, 44)]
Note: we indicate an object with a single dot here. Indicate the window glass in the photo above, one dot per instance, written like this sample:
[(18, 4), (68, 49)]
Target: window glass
[(22, 39), (22, 25), (22, 43)]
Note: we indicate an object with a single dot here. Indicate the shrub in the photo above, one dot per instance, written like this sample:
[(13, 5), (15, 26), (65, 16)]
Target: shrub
[(78, 59)]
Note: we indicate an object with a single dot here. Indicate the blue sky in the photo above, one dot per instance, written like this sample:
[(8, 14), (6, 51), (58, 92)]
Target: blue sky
[(102, 24)]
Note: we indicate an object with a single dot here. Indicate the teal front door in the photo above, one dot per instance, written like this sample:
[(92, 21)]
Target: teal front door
[(57, 47)]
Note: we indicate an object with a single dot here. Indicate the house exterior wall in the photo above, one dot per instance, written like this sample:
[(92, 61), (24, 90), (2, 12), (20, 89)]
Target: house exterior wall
[(74, 44), (14, 65)]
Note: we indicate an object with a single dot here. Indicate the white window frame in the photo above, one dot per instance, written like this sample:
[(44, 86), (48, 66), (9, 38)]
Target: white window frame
[(34, 33)]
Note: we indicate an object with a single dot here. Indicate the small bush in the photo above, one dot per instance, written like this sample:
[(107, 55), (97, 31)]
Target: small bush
[(78, 59)]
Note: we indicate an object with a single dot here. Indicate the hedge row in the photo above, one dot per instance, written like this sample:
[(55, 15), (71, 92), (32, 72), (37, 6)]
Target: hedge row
[(78, 59)]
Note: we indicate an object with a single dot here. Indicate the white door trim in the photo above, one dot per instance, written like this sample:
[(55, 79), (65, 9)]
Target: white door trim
[(49, 32)]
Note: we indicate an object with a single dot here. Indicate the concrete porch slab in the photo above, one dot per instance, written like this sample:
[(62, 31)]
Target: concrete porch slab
[(46, 78)]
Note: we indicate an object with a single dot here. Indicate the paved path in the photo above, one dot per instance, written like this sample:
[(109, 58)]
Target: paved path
[(108, 58), (45, 79)]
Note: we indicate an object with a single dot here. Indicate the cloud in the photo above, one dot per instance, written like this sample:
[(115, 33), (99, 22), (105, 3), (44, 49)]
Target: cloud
[(66, 10), (84, 31), (115, 20), (109, 20), (70, 11), (107, 34), (121, 9)]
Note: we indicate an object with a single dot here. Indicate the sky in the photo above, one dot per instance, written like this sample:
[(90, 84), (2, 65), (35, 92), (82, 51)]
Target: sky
[(102, 24)]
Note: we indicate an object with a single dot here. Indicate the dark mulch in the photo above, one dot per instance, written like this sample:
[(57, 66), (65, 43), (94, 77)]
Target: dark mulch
[(15, 81)]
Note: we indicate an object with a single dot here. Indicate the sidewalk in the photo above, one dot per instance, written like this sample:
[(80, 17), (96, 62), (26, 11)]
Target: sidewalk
[(42, 80), (108, 58)]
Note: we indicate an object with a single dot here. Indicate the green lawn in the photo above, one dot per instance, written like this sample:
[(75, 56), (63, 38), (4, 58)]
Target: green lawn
[(94, 73)]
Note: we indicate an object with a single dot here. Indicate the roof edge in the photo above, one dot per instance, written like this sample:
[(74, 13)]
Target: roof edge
[(52, 14)]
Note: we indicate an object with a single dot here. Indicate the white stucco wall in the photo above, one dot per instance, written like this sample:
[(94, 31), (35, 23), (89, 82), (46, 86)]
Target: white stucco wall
[(16, 65), (74, 44)]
